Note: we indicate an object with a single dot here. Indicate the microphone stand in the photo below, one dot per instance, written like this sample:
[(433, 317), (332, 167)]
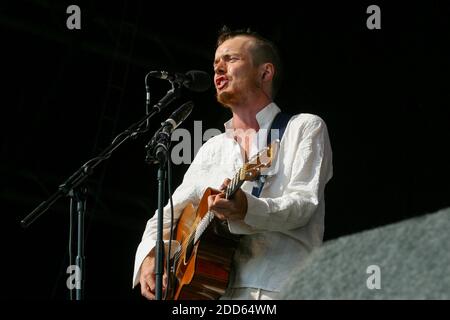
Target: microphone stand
[(78, 204), (157, 153), (75, 188)]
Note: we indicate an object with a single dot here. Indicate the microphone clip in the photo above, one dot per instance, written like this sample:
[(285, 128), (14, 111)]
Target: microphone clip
[(158, 147)]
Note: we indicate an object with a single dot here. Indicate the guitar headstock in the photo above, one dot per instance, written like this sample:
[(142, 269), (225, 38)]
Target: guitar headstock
[(260, 162)]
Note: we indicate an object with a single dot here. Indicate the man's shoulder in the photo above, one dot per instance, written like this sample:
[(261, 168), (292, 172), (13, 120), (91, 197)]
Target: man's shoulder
[(305, 120), (306, 117)]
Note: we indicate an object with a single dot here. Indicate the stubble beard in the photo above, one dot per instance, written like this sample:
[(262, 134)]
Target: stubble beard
[(225, 99), (228, 99)]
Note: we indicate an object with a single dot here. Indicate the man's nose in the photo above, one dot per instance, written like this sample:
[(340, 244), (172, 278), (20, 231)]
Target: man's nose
[(220, 68)]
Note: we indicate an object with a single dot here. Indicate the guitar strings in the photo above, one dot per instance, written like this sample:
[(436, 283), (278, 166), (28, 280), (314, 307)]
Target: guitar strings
[(229, 191), (191, 238), (235, 183)]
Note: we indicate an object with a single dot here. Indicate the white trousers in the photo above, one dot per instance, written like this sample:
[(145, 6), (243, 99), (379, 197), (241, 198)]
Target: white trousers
[(248, 294)]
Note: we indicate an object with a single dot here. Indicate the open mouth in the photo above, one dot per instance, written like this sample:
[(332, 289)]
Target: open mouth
[(221, 82)]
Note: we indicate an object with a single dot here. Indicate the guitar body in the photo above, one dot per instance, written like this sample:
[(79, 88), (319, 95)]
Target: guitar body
[(203, 269), (201, 266)]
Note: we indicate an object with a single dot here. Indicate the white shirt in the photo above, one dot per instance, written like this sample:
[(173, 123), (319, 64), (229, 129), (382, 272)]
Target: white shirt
[(281, 226)]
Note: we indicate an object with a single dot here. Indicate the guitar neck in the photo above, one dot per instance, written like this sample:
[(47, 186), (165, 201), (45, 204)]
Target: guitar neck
[(234, 185), (231, 189)]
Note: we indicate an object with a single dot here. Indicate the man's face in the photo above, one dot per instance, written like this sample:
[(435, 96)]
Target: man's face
[(235, 76)]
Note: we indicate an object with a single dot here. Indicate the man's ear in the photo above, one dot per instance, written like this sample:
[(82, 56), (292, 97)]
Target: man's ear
[(267, 71)]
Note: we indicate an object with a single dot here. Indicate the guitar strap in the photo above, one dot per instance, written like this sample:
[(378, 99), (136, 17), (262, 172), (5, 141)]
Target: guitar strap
[(279, 123)]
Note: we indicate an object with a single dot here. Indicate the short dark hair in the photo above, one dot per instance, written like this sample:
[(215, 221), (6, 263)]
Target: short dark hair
[(263, 51)]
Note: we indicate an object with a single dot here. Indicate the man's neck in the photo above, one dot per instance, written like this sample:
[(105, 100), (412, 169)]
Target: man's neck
[(244, 117)]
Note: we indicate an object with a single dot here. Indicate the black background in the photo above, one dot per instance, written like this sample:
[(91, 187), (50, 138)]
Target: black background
[(384, 95)]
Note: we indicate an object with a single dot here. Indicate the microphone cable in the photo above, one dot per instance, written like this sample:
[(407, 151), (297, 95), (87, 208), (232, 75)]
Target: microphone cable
[(169, 187)]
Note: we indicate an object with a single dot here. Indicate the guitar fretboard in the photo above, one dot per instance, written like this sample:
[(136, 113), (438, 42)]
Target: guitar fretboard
[(234, 185), (202, 225), (231, 189)]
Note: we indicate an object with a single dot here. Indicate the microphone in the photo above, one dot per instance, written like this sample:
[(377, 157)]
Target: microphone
[(159, 144), (178, 116), (194, 80)]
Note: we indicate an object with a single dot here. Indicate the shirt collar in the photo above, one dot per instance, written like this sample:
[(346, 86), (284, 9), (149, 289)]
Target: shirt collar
[(264, 118)]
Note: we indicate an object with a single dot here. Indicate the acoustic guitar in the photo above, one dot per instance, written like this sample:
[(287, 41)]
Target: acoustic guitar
[(200, 268)]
